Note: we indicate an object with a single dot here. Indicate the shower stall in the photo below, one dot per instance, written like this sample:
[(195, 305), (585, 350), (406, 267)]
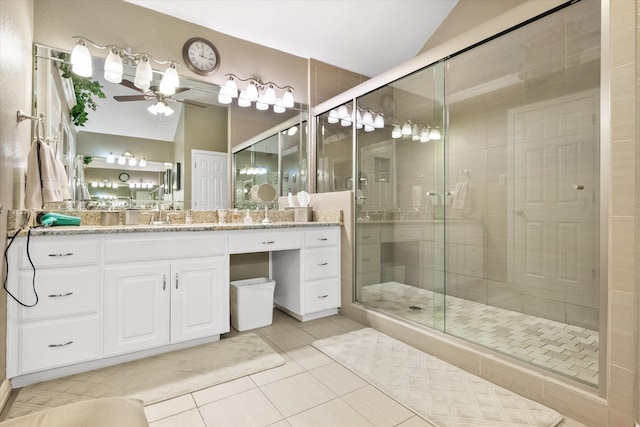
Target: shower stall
[(477, 201)]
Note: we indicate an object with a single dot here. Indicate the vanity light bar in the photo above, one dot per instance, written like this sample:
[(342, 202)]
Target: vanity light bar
[(113, 66), (263, 94), (365, 117)]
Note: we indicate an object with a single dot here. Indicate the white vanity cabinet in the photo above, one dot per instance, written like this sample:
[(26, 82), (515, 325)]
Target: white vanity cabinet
[(308, 280), (164, 289), (64, 327)]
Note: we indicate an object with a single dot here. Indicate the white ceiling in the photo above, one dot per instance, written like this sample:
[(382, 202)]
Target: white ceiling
[(366, 37)]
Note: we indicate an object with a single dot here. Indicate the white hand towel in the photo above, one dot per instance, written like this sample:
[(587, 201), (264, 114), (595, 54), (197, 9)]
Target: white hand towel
[(63, 179), (460, 196), (42, 181)]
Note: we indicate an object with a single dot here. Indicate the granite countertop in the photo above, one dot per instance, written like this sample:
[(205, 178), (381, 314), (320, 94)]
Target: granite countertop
[(201, 221)]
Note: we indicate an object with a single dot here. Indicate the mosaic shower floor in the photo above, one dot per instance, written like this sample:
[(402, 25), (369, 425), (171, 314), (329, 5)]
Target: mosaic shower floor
[(565, 349)]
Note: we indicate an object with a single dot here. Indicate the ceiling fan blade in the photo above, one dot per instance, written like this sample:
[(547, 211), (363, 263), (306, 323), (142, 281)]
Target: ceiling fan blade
[(181, 89), (130, 85), (125, 98)]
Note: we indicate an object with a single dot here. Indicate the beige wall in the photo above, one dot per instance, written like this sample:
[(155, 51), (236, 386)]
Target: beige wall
[(16, 39)]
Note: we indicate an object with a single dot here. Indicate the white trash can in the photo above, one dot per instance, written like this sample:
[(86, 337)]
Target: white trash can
[(251, 303)]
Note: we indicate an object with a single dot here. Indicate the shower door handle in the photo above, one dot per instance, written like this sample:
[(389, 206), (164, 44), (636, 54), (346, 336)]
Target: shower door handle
[(577, 187)]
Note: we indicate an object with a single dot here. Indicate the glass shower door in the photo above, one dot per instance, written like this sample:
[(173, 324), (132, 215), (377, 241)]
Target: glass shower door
[(399, 190)]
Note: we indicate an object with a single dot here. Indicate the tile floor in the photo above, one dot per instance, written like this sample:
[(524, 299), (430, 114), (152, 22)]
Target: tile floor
[(310, 389), (568, 350)]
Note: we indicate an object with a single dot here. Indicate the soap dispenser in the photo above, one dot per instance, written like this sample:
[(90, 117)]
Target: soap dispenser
[(247, 218)]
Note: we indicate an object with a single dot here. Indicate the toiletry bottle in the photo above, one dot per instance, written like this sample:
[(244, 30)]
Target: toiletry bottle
[(235, 216), (247, 218), (290, 199)]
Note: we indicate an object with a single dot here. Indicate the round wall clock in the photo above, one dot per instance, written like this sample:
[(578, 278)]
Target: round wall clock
[(124, 177), (201, 56)]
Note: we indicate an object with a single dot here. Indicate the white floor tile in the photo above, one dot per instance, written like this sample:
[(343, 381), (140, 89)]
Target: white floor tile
[(220, 391), (338, 379), (309, 357), (248, 409), (296, 394), (190, 418), (377, 407), (335, 413), (169, 407), (289, 369)]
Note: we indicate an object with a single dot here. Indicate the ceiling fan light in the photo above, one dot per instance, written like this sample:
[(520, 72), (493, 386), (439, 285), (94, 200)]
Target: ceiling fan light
[(287, 98), (113, 67), (270, 95), (153, 109), (166, 88), (81, 59), (168, 110), (252, 92)]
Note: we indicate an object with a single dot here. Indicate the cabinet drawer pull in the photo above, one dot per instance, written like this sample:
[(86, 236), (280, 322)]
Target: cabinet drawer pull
[(366, 259), (366, 237), (322, 264), (176, 280), (323, 296), (269, 242), (60, 295), (61, 255), (60, 345), (322, 239), (164, 282)]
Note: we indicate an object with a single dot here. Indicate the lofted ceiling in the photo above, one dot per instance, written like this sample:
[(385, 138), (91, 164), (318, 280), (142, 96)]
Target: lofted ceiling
[(366, 37)]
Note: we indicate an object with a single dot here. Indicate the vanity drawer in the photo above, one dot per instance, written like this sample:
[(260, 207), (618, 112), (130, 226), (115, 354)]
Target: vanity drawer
[(369, 258), (321, 263), (71, 292), (323, 237), (59, 252), (58, 344), (166, 245), (322, 295), (276, 240), (368, 234)]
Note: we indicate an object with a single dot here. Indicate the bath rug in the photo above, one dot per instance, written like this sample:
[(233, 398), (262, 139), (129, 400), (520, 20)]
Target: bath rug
[(154, 378), (443, 394)]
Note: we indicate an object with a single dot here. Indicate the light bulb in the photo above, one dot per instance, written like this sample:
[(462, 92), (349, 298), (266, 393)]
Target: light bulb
[(81, 59), (343, 112), (367, 118), (171, 74), (270, 95), (252, 92), (110, 158), (415, 133), (144, 74), (243, 100), (379, 121), (94, 184), (113, 67), (396, 132), (435, 134), (131, 185), (231, 88), (333, 117), (132, 161), (424, 135), (287, 98), (114, 185), (143, 162), (224, 99), (122, 160), (406, 129), (278, 107), (167, 110)]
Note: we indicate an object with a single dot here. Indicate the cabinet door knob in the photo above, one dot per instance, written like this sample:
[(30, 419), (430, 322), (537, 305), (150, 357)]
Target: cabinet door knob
[(61, 345), (60, 295)]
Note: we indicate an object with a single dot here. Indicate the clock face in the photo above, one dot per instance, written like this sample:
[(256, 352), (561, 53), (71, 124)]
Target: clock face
[(201, 56)]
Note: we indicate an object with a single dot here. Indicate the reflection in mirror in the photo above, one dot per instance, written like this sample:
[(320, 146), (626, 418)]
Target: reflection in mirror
[(280, 151), (122, 125)]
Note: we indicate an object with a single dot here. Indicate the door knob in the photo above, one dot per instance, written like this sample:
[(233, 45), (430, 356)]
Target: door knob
[(577, 187)]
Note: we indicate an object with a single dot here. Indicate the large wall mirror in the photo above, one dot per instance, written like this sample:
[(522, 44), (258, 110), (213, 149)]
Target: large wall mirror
[(122, 128)]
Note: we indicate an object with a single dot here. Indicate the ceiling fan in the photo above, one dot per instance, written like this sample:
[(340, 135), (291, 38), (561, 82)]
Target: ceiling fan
[(153, 94)]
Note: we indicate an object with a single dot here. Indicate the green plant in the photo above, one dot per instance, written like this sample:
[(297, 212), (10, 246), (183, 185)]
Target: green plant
[(84, 89)]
